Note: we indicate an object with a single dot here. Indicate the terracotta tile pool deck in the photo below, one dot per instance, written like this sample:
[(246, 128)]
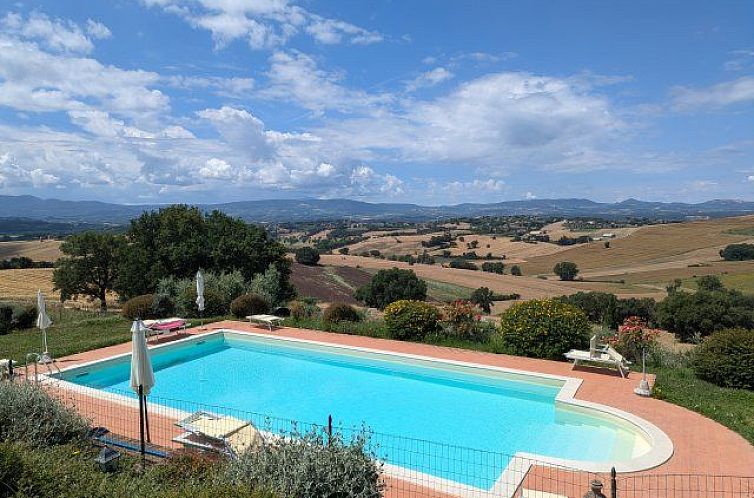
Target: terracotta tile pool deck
[(701, 446)]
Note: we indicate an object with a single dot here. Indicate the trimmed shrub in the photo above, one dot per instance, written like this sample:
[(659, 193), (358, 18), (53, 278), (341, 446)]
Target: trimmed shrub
[(341, 312), (6, 319), (411, 320), (545, 328), (248, 304), (392, 285), (163, 306), (312, 465), (303, 309), (24, 316), (307, 255), (726, 358), (138, 307), (29, 414), (11, 469)]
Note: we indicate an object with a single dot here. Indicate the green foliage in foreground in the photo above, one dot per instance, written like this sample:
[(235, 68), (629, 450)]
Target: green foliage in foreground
[(29, 414), (69, 471), (312, 465), (734, 408)]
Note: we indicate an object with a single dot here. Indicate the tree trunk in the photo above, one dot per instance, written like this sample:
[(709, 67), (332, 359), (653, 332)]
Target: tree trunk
[(102, 302)]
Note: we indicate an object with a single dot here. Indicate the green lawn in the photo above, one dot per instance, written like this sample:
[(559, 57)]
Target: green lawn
[(74, 332), (734, 408)]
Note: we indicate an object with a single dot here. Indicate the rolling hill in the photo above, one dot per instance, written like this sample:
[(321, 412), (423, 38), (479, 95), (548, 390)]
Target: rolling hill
[(278, 210)]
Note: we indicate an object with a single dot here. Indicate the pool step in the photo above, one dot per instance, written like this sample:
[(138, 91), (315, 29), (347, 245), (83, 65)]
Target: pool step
[(528, 493)]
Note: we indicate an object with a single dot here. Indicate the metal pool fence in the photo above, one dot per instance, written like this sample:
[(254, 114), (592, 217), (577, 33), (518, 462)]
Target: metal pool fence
[(412, 467)]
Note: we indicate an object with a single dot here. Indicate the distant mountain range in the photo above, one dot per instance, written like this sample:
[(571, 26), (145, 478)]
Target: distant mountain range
[(280, 210)]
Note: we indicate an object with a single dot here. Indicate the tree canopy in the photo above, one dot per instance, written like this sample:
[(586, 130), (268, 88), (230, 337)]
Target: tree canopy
[(392, 285), (179, 240), (566, 270), (89, 266)]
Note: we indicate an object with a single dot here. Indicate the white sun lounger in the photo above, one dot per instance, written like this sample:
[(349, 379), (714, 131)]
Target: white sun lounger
[(219, 433), (604, 356), (270, 320)]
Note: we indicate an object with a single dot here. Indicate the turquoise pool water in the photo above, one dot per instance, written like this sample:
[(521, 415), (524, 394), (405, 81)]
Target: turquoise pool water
[(391, 395)]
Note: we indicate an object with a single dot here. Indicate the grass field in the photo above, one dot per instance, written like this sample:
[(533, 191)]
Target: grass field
[(734, 408), (72, 332), (47, 250), (743, 282)]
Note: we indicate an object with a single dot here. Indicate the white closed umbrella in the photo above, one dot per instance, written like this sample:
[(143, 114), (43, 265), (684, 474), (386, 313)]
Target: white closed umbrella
[(43, 323), (142, 376), (200, 292)]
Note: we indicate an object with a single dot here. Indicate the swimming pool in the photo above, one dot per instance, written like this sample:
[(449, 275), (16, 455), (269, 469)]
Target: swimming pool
[(492, 410)]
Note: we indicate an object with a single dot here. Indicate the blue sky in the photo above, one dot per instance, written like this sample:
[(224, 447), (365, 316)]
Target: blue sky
[(433, 102)]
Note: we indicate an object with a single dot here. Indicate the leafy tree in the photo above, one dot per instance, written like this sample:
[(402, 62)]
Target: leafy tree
[(691, 316), (738, 252), (89, 266), (516, 271), (307, 256), (606, 309), (710, 283), (484, 298), (392, 285), (496, 267), (343, 250), (566, 270), (178, 240)]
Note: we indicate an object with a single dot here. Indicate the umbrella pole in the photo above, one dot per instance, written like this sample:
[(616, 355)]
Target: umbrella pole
[(142, 446), (146, 420)]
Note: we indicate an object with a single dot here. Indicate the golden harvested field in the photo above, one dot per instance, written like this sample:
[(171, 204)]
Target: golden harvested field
[(391, 244), (401, 245), (557, 230), (22, 285), (47, 250), (514, 252), (651, 249)]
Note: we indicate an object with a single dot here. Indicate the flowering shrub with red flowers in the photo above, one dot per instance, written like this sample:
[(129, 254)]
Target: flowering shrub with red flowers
[(461, 320), (633, 337)]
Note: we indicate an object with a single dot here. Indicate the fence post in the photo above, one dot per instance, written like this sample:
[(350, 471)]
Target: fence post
[(329, 429), (613, 484)]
